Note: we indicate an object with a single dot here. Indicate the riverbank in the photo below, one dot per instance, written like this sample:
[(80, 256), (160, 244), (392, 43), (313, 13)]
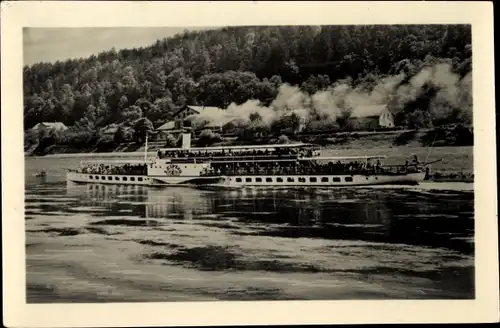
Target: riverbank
[(439, 137), (456, 161)]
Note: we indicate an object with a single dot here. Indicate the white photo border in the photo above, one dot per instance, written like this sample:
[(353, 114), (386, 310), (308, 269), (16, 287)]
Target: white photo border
[(18, 14)]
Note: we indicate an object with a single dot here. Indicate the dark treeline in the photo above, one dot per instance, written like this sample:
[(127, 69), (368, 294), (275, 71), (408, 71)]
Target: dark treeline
[(236, 64)]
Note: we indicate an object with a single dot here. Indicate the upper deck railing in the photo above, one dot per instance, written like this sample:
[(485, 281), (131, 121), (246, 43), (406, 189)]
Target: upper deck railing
[(233, 159), (115, 162), (240, 148), (232, 154)]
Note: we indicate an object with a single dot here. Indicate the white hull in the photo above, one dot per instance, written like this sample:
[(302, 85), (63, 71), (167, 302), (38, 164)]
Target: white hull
[(248, 180), (291, 181), (137, 180)]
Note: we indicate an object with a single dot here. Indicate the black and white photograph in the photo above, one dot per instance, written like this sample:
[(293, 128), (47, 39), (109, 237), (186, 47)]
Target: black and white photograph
[(249, 162)]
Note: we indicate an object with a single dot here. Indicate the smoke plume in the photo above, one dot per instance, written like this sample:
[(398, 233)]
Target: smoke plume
[(364, 99)]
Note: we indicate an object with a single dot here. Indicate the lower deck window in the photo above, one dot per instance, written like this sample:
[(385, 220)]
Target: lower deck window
[(124, 178), (110, 178), (269, 180), (325, 179), (279, 180), (289, 179), (91, 177), (117, 178), (348, 179), (336, 179), (248, 179), (302, 179), (258, 179), (312, 179), (139, 179), (103, 178), (132, 179), (238, 179)]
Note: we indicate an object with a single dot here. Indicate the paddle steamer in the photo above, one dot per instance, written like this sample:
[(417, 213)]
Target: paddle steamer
[(283, 165)]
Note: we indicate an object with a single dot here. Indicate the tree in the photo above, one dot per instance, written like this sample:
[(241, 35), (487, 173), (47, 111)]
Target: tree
[(30, 138), (66, 103), (163, 109), (120, 135), (255, 117), (170, 141), (418, 119), (351, 124), (123, 103), (142, 127), (344, 119), (322, 126), (132, 113), (283, 139), (315, 83), (145, 105), (232, 65), (229, 128), (295, 122), (207, 137)]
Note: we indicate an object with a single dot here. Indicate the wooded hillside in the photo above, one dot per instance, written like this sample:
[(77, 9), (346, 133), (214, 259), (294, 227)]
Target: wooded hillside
[(321, 73)]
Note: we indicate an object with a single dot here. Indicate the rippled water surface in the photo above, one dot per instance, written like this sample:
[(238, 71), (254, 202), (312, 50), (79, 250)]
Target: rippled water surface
[(96, 243)]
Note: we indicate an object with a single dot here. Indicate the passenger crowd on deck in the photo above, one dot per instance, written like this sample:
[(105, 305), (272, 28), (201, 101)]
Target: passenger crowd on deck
[(117, 169), (255, 153), (285, 168), (305, 168)]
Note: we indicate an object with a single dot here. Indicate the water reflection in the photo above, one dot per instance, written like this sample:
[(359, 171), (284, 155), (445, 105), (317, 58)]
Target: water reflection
[(110, 243), (390, 216)]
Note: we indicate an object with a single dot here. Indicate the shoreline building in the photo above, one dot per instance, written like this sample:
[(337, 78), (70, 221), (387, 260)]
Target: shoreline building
[(185, 120), (49, 126), (373, 117)]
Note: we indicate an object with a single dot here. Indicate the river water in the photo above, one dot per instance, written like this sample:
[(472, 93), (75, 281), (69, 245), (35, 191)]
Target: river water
[(94, 243)]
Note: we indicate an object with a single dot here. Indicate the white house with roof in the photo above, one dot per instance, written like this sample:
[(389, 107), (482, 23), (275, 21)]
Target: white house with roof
[(371, 117), (172, 127), (54, 126), (183, 122), (386, 118)]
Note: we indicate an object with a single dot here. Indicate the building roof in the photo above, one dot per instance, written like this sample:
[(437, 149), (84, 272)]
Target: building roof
[(107, 130), (52, 125), (368, 111), (167, 126), (366, 118), (112, 128), (200, 109), (213, 125), (197, 109)]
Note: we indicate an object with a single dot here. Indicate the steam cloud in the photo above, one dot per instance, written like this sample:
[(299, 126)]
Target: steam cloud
[(360, 100)]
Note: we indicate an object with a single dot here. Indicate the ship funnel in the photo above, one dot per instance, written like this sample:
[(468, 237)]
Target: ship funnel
[(186, 140)]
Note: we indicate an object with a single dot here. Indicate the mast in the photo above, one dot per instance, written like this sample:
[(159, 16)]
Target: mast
[(146, 148)]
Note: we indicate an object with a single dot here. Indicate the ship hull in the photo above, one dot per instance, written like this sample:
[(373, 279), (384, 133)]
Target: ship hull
[(243, 181), (294, 181), (137, 180)]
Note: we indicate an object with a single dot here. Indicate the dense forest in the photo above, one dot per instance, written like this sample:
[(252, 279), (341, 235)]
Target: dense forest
[(320, 73)]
